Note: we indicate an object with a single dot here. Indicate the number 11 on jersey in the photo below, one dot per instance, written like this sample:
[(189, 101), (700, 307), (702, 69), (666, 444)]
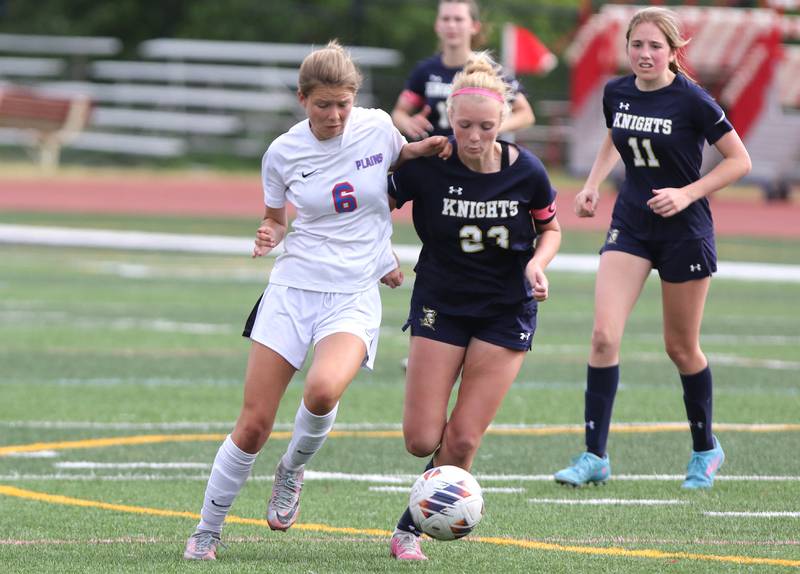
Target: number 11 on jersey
[(638, 160)]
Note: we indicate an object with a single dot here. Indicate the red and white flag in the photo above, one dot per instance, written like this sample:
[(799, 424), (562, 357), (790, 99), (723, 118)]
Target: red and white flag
[(524, 53)]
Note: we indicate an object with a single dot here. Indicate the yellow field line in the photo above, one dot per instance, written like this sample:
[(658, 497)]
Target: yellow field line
[(644, 553), (119, 441), (526, 544), (537, 431)]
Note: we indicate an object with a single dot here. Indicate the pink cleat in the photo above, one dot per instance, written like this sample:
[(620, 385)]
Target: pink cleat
[(202, 545), (405, 546)]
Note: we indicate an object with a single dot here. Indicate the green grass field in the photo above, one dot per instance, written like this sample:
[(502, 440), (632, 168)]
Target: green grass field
[(120, 374)]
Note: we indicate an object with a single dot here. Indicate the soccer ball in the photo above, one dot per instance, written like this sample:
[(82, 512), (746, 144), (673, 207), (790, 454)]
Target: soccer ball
[(446, 503)]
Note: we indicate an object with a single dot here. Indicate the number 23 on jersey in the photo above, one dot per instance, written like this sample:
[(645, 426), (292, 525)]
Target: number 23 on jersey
[(472, 237)]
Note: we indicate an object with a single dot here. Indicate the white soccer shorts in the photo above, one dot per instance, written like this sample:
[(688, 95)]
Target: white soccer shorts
[(291, 320)]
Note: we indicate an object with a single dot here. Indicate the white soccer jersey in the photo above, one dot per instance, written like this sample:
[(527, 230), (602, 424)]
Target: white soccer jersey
[(340, 238)]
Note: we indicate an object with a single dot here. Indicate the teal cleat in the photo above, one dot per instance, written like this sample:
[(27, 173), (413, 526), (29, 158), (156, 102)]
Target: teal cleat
[(586, 469), (703, 467)]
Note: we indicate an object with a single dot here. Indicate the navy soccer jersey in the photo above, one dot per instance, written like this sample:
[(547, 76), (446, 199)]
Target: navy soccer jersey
[(476, 229), (659, 135), (431, 82)]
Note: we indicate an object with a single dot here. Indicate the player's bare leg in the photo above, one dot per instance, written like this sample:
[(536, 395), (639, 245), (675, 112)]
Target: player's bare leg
[(337, 359), (489, 371)]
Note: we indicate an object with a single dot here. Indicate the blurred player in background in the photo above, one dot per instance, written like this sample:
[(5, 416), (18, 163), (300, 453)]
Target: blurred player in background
[(421, 107), (657, 120), (478, 278), (323, 290)]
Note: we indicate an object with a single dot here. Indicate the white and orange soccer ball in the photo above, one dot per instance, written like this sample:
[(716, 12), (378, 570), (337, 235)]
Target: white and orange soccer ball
[(446, 502)]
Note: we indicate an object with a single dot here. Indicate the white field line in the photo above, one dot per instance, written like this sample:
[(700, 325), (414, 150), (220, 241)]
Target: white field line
[(384, 479), (178, 425), (721, 338), (158, 540), (143, 381), (608, 501), (138, 240), (365, 426), (726, 360), (755, 514), (93, 541), (79, 464), (617, 540), (489, 489), (605, 540), (121, 323), (772, 364), (36, 454)]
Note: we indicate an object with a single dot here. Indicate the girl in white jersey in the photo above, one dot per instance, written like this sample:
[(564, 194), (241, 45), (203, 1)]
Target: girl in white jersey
[(323, 290)]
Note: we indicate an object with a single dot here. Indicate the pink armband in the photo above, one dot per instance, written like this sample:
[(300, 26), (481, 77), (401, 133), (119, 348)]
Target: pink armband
[(544, 214)]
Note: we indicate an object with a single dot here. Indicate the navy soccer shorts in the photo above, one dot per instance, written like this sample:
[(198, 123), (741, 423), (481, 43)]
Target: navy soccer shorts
[(513, 329), (677, 261)]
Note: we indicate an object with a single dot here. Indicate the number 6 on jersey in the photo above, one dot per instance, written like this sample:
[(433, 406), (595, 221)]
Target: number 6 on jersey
[(343, 201)]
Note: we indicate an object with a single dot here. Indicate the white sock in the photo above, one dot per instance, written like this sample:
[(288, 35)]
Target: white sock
[(310, 431), (230, 471)]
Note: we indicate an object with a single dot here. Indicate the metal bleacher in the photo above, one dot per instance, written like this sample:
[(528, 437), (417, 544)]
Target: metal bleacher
[(181, 96)]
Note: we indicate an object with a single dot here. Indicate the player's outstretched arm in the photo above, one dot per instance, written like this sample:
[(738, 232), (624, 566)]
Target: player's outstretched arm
[(394, 278), (521, 115), (271, 231), (587, 198), (434, 145), (547, 244), (412, 122), (735, 164)]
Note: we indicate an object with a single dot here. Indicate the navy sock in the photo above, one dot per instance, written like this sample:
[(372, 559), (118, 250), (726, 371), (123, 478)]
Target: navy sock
[(406, 523), (601, 388), (697, 398)]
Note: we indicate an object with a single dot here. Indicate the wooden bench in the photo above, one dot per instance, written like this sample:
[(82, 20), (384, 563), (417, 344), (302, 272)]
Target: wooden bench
[(54, 120)]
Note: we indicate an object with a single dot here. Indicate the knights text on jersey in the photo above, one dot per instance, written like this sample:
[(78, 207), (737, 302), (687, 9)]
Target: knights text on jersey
[(340, 237), (431, 83), (476, 230), (660, 135)]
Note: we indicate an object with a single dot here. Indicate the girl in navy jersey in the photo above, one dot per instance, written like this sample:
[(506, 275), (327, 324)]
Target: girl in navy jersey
[(421, 107), (323, 289), (486, 218), (657, 120)]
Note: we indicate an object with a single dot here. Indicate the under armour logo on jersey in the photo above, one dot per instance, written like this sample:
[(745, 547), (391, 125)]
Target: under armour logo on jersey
[(524, 336), (590, 425), (697, 267), (612, 236), (455, 190), (624, 106)]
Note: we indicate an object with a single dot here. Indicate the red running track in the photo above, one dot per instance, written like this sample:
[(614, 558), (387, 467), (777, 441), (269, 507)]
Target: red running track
[(238, 196)]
